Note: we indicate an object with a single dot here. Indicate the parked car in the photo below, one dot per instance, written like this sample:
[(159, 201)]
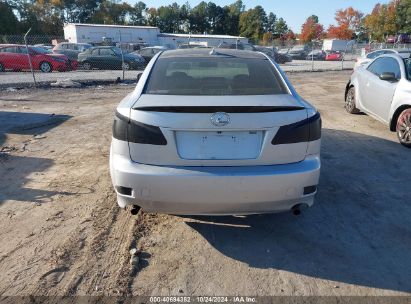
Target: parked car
[(334, 56), (382, 89), (286, 54), (110, 58), (15, 57), (71, 50), (272, 52), (150, 52), (316, 55), (299, 52), (364, 60), (44, 46), (400, 38), (219, 132), (237, 46)]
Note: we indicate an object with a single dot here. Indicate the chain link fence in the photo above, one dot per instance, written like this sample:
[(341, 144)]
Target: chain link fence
[(38, 60), (48, 59)]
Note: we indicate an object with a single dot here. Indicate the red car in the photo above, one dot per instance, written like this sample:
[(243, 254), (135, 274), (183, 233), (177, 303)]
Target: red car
[(334, 56), (14, 57)]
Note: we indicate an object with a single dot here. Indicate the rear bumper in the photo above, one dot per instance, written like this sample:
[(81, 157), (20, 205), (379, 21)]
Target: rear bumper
[(214, 190)]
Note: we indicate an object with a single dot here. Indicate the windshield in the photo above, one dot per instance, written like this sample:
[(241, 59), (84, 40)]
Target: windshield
[(117, 50), (214, 76), (40, 50)]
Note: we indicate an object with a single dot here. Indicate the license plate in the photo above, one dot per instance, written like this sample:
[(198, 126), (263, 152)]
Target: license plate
[(224, 145)]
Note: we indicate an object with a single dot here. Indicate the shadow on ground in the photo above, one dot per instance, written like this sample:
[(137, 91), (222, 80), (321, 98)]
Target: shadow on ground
[(15, 169), (358, 231), (29, 123)]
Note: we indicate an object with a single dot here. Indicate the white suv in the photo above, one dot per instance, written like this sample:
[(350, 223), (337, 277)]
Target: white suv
[(215, 132)]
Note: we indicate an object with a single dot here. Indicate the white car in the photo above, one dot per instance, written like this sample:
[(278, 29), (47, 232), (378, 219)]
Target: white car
[(364, 60), (215, 131), (382, 89)]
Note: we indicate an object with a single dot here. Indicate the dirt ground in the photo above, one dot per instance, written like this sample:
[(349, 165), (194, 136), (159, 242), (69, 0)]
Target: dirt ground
[(62, 233)]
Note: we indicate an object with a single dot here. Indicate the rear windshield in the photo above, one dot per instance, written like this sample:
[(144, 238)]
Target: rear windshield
[(215, 76)]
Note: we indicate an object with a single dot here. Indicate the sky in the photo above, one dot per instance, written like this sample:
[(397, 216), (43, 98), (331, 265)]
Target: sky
[(295, 12)]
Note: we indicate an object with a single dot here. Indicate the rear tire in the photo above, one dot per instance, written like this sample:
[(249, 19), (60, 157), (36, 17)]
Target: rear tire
[(46, 67), (350, 102), (126, 66), (404, 128)]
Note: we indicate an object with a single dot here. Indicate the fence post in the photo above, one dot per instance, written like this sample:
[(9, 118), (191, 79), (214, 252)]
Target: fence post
[(312, 57), (343, 56), (122, 56), (28, 54)]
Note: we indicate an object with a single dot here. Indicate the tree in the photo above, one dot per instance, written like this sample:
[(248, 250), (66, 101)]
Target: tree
[(382, 21), (312, 30), (152, 16), (253, 23), (136, 16), (197, 17), (169, 18), (232, 14), (8, 20), (216, 18), (314, 18), (348, 23), (281, 28), (267, 38), (112, 13), (403, 12), (271, 22)]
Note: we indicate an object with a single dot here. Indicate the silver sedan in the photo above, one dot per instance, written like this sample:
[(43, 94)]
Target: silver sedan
[(215, 132), (382, 89)]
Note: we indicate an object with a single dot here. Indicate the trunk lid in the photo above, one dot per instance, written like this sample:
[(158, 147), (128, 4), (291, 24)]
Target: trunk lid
[(218, 130)]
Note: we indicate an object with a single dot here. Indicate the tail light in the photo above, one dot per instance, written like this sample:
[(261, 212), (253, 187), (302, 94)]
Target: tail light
[(303, 131), (136, 132)]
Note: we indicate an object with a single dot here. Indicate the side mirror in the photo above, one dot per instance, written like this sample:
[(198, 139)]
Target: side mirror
[(139, 76), (387, 76)]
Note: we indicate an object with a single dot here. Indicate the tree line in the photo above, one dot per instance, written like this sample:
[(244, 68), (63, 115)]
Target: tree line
[(384, 20), (47, 17)]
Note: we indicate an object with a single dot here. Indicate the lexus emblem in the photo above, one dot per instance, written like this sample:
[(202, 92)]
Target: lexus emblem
[(220, 119)]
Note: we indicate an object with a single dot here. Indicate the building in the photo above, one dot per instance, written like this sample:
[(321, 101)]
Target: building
[(337, 45), (174, 40), (96, 33), (149, 35)]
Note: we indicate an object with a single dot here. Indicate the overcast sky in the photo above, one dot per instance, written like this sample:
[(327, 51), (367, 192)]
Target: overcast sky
[(294, 11)]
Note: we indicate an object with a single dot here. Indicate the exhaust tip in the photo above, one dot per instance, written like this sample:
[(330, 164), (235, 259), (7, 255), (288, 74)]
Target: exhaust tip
[(135, 209), (297, 209)]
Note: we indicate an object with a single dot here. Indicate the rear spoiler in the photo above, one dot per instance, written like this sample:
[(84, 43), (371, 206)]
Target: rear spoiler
[(227, 109)]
